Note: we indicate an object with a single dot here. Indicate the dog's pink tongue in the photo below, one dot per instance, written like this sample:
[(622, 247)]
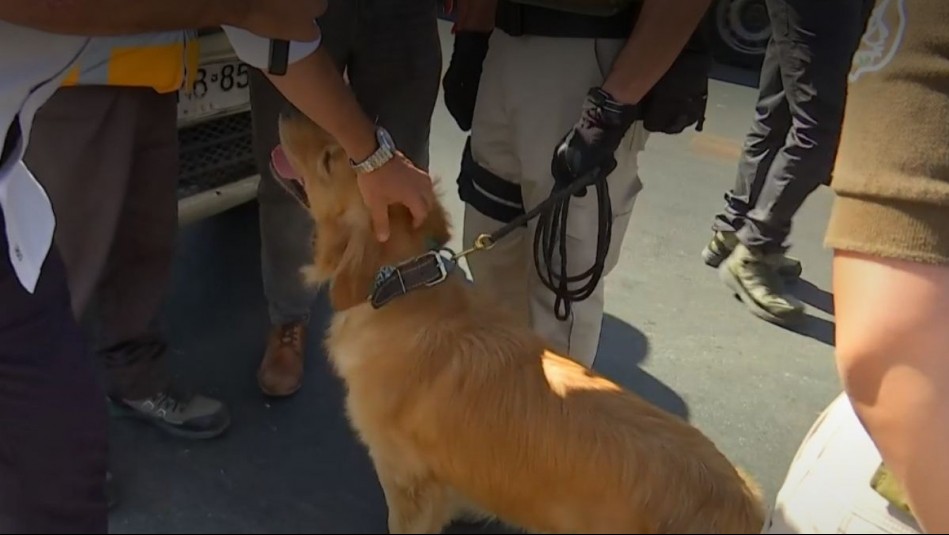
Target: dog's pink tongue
[(282, 165)]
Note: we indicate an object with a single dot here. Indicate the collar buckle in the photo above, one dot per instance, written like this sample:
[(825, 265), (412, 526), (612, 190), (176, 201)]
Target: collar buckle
[(424, 271), (442, 264)]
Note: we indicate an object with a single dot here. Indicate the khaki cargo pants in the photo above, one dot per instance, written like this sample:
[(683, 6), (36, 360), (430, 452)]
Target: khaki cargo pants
[(827, 488), (531, 93)]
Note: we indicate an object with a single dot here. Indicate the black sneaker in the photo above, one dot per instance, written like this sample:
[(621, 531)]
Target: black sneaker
[(193, 416)]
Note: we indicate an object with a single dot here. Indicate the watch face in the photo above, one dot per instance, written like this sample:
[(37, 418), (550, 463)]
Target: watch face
[(385, 140), (383, 154)]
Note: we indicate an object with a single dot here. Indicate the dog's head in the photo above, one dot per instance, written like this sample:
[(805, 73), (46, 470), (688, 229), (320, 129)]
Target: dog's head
[(347, 253), (332, 192)]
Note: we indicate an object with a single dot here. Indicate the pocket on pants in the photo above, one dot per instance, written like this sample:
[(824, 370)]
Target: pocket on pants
[(624, 182), (624, 188)]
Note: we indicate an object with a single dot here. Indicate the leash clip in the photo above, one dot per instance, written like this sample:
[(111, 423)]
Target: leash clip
[(483, 242)]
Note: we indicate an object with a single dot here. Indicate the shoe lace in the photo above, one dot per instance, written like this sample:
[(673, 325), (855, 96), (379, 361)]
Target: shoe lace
[(290, 334), (169, 401)]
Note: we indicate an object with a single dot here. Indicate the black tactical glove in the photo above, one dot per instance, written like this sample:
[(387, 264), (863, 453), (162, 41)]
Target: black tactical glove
[(590, 144), (463, 76)]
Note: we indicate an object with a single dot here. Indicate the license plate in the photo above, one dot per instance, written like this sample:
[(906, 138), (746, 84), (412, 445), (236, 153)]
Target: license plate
[(219, 87)]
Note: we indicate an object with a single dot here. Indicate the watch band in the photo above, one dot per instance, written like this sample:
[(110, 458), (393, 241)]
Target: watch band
[(384, 153)]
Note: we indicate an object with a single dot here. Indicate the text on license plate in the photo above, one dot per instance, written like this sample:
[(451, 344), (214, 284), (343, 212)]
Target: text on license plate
[(219, 87)]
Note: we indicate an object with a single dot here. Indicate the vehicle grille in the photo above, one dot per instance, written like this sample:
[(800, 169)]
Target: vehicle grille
[(214, 153)]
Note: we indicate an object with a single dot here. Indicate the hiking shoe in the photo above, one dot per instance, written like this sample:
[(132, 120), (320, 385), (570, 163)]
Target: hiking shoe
[(723, 243), (754, 279), (281, 370), (192, 416)]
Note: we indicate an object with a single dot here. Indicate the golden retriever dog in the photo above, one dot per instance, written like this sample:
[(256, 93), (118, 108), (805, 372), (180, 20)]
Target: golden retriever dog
[(464, 411)]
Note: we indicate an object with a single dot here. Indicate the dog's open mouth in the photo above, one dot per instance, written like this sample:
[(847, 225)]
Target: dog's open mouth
[(287, 176)]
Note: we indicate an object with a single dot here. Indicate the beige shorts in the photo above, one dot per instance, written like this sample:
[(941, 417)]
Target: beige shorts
[(827, 488)]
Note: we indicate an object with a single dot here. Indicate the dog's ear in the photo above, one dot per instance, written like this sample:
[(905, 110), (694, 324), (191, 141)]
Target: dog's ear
[(332, 159)]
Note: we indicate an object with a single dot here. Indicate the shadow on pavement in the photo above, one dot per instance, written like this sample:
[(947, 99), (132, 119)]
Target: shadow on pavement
[(812, 295), (819, 329), (623, 348), (284, 466)]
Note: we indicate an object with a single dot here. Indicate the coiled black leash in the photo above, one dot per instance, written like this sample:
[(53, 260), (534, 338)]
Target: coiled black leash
[(550, 242)]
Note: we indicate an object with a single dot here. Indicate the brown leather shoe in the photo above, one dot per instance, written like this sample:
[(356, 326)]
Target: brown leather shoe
[(281, 372)]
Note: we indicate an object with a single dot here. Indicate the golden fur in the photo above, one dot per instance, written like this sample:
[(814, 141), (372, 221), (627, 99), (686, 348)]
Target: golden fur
[(464, 411)]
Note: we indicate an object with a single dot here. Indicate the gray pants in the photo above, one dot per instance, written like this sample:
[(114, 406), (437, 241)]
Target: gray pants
[(792, 145), (108, 159), (391, 53)]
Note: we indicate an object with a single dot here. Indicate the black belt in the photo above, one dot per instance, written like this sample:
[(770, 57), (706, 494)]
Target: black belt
[(519, 19)]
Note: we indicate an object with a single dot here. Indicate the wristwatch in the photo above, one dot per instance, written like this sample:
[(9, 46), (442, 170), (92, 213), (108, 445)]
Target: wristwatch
[(380, 157)]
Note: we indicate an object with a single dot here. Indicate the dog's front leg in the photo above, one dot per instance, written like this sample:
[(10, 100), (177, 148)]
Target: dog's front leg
[(417, 504)]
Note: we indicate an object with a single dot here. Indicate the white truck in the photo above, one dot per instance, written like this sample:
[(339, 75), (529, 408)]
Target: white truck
[(218, 171)]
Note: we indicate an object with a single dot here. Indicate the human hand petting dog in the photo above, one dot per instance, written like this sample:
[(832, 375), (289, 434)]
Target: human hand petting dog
[(398, 181), (385, 176)]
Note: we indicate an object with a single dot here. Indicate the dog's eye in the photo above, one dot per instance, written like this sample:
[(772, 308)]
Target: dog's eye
[(327, 162)]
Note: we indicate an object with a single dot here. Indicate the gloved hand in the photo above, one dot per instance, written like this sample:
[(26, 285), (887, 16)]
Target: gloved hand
[(590, 144), (464, 75)]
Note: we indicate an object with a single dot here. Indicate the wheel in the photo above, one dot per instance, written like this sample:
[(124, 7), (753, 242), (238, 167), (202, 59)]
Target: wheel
[(739, 31)]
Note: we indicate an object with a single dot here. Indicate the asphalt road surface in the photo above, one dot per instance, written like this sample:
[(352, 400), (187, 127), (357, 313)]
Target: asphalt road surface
[(672, 333)]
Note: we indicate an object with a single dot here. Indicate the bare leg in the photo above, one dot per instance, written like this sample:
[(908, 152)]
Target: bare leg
[(892, 349)]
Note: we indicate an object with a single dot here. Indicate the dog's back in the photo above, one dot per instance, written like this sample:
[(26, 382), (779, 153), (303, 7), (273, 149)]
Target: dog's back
[(535, 438), (573, 453)]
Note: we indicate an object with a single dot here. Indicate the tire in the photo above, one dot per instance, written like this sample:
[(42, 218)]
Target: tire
[(739, 32)]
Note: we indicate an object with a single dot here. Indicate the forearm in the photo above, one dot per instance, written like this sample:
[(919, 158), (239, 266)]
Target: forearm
[(476, 15), (84, 17), (660, 34), (317, 89)]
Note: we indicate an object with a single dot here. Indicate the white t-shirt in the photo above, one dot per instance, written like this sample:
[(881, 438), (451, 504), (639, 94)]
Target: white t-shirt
[(32, 66)]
